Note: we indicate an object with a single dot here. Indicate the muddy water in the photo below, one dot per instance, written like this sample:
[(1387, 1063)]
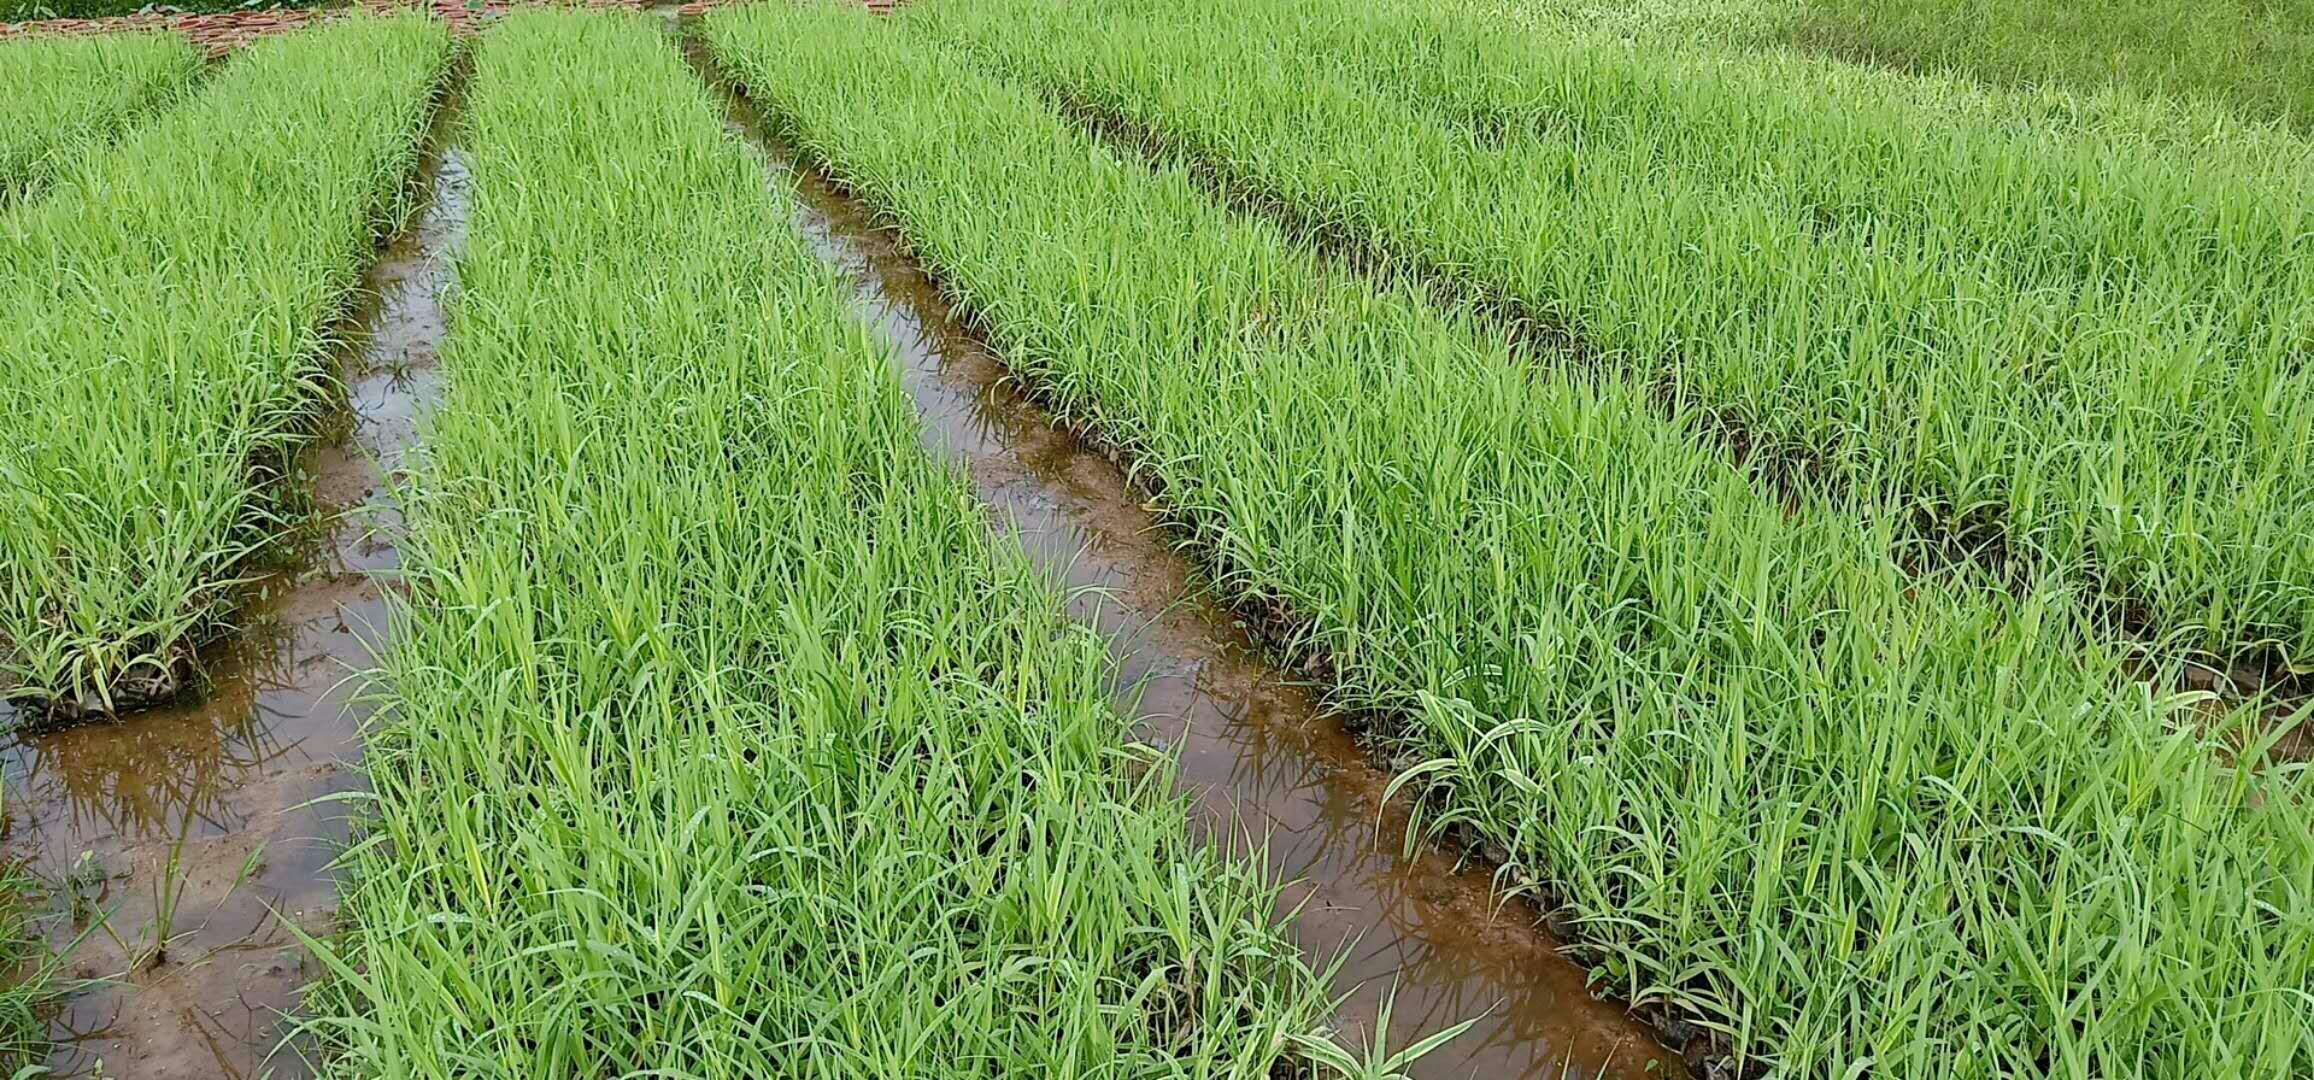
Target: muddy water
[(172, 836), (1255, 748)]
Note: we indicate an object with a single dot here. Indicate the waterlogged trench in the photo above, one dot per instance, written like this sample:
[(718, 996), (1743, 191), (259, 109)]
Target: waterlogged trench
[(1256, 749), (196, 823)]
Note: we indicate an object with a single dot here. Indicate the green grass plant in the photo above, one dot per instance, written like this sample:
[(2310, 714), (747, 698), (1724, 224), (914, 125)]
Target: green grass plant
[(2086, 359), (1856, 819), (720, 736), (164, 309), (59, 95)]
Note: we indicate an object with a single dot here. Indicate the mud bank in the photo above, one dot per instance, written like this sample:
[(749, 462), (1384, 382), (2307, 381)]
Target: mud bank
[(173, 836), (1258, 751)]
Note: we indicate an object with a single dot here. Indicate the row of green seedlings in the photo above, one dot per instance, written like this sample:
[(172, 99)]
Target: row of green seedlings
[(2256, 56), (1840, 814), (61, 95), (1758, 37), (1476, 70), (719, 735), (2047, 356), (166, 310)]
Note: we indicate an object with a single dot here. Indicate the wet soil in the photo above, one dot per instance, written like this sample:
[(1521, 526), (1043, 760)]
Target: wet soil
[(1258, 751), (179, 840), (2282, 696)]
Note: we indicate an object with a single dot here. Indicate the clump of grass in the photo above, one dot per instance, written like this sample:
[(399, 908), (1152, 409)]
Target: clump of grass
[(719, 735), (2063, 354), (1848, 816), (58, 95), (164, 309)]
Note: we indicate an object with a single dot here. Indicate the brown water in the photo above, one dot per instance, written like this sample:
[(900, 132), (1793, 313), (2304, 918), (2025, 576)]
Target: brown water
[(173, 836), (1256, 749)]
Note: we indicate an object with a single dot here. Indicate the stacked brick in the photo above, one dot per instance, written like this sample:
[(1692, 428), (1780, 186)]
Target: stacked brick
[(223, 32), (216, 33), (693, 8)]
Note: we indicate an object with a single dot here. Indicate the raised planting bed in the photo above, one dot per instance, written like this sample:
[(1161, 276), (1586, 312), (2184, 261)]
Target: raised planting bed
[(165, 307)]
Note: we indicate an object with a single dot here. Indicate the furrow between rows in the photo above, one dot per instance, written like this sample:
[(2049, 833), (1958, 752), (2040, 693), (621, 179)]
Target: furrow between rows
[(719, 735), (1776, 782)]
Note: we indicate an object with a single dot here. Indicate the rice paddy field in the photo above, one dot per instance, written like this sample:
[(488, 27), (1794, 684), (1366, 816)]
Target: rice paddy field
[(1287, 538)]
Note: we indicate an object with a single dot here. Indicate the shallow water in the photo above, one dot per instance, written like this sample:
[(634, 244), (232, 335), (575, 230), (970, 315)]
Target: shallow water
[(1257, 751), (205, 809)]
